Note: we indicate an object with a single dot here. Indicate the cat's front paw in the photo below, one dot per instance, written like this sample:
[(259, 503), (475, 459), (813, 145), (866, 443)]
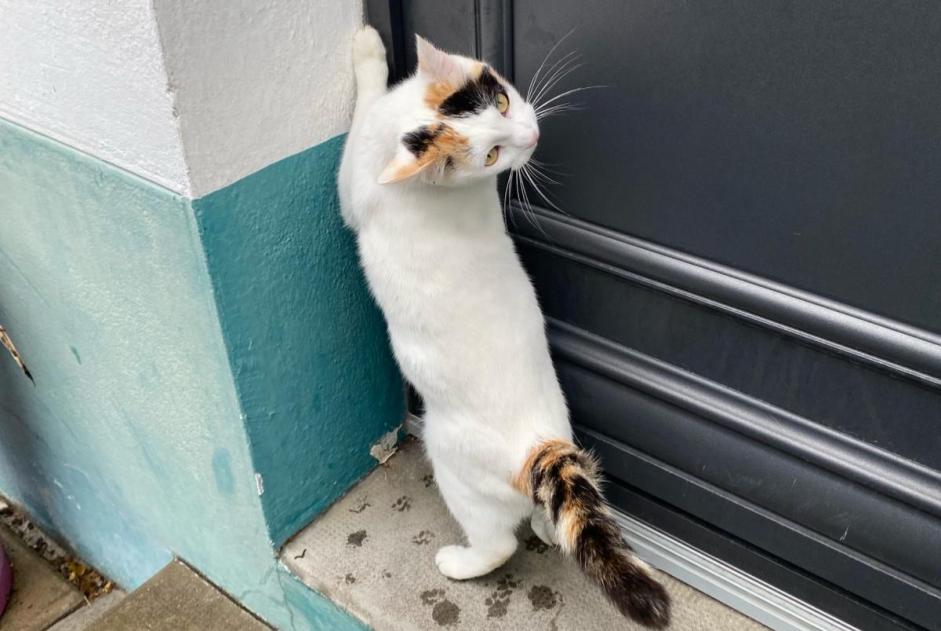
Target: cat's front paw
[(367, 45)]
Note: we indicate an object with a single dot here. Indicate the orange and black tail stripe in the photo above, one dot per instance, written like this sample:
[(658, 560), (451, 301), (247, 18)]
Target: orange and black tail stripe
[(566, 481)]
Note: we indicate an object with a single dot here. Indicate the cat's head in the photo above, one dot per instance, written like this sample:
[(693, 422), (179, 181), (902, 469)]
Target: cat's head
[(469, 123)]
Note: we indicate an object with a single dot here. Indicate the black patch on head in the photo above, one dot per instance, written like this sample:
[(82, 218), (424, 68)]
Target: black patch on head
[(474, 96), (419, 140)]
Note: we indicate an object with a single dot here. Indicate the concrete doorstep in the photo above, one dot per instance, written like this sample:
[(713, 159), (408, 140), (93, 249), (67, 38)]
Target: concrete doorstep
[(177, 599), (373, 553), (40, 595), (43, 598)]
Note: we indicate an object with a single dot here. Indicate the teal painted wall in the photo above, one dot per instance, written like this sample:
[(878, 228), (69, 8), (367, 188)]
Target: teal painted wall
[(307, 344), (142, 433)]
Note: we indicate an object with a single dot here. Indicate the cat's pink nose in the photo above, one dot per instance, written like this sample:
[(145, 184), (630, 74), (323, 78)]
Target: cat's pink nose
[(533, 138)]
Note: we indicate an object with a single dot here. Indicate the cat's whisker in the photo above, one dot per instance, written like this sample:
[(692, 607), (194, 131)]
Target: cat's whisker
[(567, 93), (518, 189), (506, 202), (552, 70), (533, 80), (522, 202), (563, 106), (567, 65), (529, 176), (528, 209), (548, 167), (543, 163), (556, 107), (543, 177), (559, 109)]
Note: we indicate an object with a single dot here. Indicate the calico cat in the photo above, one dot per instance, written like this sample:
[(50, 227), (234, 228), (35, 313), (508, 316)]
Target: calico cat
[(418, 185)]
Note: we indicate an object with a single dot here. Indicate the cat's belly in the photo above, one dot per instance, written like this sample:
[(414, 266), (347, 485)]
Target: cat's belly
[(466, 328)]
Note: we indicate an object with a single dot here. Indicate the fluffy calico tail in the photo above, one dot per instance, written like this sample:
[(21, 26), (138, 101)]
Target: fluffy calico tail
[(565, 481)]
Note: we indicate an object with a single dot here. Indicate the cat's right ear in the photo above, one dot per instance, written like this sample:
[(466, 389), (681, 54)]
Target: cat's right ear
[(436, 65)]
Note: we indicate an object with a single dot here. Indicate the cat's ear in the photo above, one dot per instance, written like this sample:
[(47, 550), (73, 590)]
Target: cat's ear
[(403, 166), (438, 66)]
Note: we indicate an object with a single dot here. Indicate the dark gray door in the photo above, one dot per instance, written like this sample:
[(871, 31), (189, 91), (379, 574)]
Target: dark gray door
[(744, 296)]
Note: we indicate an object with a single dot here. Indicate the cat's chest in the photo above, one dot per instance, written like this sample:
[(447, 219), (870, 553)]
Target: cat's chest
[(445, 273)]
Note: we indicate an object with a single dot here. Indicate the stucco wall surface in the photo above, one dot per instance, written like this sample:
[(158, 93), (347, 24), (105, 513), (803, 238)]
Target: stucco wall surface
[(256, 81), (131, 443), (90, 74), (308, 346)]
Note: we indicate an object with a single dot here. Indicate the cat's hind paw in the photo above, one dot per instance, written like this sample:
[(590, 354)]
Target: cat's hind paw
[(458, 562), (543, 528), (461, 563)]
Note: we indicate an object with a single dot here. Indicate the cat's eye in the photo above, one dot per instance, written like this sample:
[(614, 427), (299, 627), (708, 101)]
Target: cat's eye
[(492, 156), (503, 102)]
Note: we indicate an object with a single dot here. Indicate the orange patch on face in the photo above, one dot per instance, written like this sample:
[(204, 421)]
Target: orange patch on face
[(450, 143), (437, 93), (445, 144)]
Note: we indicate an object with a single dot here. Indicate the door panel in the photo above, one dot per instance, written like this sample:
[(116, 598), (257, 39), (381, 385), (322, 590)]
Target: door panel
[(744, 293), (800, 141)]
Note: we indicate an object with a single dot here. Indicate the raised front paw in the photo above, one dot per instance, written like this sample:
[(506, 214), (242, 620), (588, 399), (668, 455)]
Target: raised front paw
[(368, 45)]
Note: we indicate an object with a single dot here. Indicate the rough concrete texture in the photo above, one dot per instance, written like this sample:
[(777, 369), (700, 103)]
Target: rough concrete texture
[(255, 81), (189, 95), (83, 617), (90, 73), (373, 553), (132, 437), (307, 344), (40, 596), (177, 599)]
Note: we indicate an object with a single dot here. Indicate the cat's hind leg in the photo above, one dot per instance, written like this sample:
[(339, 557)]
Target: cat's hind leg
[(489, 522), (542, 527)]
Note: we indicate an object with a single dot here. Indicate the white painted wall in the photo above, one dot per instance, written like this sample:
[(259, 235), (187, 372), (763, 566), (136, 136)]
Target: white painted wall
[(256, 80), (90, 73), (192, 95)]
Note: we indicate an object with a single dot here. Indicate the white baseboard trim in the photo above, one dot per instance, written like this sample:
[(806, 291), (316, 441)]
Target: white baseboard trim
[(740, 591)]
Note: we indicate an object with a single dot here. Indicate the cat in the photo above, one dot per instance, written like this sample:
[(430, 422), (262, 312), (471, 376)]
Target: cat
[(418, 186)]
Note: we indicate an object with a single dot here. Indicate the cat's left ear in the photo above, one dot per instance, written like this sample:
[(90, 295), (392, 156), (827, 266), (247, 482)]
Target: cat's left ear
[(438, 66), (403, 166)]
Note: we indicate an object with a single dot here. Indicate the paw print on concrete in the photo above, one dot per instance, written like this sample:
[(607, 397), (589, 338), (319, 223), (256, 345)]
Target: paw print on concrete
[(402, 504), (443, 611), (360, 506), (423, 538), (499, 599), (543, 597), (535, 544)]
